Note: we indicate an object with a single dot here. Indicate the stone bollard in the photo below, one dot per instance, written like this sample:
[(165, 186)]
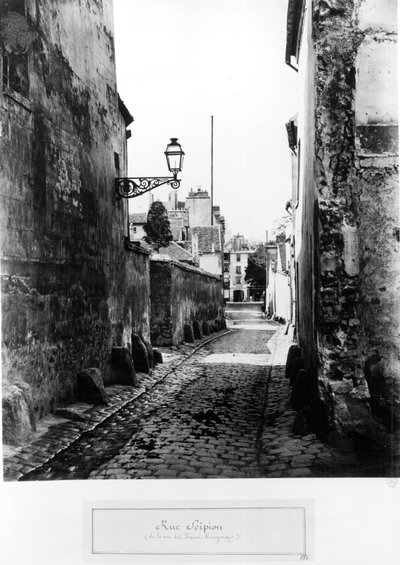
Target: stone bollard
[(197, 331), (188, 333), (158, 358), (18, 414), (150, 351), (121, 370), (90, 387), (206, 328), (140, 355), (293, 362), (302, 390)]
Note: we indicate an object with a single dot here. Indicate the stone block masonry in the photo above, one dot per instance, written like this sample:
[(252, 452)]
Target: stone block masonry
[(346, 214), (180, 295), (356, 178), (71, 287)]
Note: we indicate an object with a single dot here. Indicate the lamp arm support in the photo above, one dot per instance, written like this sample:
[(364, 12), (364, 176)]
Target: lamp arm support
[(131, 187)]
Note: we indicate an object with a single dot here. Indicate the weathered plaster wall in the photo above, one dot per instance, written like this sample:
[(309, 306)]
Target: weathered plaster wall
[(304, 202), (377, 200), (71, 289), (357, 194), (179, 295), (211, 262)]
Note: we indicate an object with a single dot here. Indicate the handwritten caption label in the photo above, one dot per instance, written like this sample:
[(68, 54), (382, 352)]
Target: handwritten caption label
[(200, 531), (194, 530)]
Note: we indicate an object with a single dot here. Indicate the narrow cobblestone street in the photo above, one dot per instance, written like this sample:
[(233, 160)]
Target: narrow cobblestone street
[(218, 410), (202, 420)]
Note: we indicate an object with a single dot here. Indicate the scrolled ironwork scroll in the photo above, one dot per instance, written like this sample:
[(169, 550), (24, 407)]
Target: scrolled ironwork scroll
[(131, 187)]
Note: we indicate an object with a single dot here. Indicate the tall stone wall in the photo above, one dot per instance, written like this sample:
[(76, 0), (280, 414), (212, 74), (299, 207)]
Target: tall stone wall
[(356, 184), (181, 294), (71, 288)]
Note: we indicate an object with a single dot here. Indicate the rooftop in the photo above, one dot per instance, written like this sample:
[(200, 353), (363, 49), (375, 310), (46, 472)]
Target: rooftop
[(138, 218), (198, 194), (176, 252), (209, 238), (294, 12)]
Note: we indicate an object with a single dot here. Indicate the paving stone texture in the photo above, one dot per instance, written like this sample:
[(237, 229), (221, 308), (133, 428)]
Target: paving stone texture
[(218, 410)]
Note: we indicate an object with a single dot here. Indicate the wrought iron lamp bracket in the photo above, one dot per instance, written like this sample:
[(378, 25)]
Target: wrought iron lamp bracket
[(131, 187)]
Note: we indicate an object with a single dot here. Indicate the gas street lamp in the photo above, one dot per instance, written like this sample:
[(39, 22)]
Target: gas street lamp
[(131, 187)]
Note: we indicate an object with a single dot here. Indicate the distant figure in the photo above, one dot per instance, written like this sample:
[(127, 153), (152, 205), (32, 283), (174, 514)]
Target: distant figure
[(263, 304)]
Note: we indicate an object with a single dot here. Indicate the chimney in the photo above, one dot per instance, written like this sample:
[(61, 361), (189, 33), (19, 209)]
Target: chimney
[(173, 198)]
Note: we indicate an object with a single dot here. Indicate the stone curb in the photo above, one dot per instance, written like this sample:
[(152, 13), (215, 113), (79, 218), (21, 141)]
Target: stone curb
[(281, 452), (63, 432)]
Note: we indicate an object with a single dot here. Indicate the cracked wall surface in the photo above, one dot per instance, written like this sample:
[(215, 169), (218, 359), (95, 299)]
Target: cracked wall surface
[(70, 287), (351, 247)]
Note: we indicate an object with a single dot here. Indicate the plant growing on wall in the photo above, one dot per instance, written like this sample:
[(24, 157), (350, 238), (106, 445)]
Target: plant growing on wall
[(157, 227)]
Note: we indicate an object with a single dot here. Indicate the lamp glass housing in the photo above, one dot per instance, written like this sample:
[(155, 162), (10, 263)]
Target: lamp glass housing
[(174, 155)]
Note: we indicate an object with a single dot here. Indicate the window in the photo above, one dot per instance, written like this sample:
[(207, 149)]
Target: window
[(15, 62), (226, 269), (15, 73), (238, 270), (226, 257), (116, 162), (238, 257), (238, 280)]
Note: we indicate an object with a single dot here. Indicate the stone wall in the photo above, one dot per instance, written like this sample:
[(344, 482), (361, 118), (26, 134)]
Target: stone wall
[(71, 288), (357, 187), (376, 198), (180, 295), (350, 251)]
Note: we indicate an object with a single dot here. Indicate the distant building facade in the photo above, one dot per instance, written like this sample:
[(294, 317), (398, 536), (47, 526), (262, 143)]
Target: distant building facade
[(179, 223), (192, 228), (236, 256), (279, 289), (198, 204), (136, 223), (207, 248)]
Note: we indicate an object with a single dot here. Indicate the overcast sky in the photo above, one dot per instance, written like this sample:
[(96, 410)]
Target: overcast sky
[(181, 61)]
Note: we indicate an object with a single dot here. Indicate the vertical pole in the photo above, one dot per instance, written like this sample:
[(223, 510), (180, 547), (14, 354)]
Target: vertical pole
[(266, 275), (212, 169)]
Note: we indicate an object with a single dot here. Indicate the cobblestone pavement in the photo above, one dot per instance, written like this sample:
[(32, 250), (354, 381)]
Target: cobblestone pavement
[(202, 420), (205, 420), (218, 411), (55, 434), (285, 454)]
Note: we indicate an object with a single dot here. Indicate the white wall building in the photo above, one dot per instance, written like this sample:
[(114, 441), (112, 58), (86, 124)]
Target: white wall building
[(236, 256)]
